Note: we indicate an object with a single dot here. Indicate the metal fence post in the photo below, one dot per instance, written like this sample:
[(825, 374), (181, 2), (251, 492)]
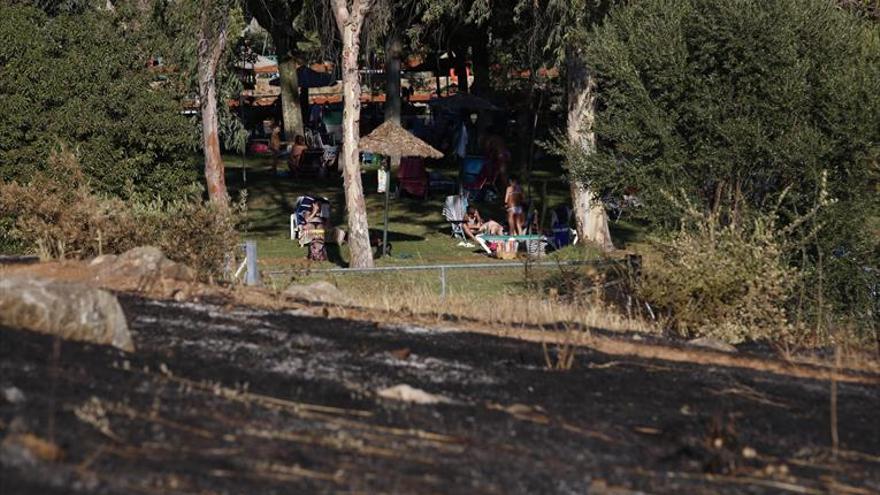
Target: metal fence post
[(442, 282), (252, 277)]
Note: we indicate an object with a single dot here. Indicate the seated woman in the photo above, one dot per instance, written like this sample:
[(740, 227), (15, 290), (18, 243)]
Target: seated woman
[(471, 226)]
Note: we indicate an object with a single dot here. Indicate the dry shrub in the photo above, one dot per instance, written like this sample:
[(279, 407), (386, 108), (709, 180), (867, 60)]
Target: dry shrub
[(189, 230), (58, 215), (728, 281)]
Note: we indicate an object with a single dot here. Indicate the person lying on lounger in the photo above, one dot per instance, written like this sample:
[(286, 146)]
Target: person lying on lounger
[(491, 227)]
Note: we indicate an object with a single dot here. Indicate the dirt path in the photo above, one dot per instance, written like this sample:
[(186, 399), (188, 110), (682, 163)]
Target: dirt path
[(223, 399)]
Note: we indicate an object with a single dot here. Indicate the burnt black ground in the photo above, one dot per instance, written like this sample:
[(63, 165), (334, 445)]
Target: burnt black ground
[(223, 400)]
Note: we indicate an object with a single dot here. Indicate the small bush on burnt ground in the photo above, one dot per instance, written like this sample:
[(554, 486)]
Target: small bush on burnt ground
[(739, 275), (730, 281), (58, 215)]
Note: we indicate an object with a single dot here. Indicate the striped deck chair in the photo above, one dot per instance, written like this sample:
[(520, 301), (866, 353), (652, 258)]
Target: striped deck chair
[(454, 209)]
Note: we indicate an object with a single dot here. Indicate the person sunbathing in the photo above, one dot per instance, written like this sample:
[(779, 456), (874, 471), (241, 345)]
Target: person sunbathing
[(491, 227)]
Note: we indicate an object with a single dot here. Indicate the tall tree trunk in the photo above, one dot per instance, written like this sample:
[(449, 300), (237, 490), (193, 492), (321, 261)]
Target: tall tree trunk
[(211, 43), (393, 50), (277, 17), (589, 213), (461, 67), (290, 99), (349, 23), (525, 121), (480, 63)]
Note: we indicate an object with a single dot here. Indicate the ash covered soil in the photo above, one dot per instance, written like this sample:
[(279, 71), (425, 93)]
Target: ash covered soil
[(224, 399)]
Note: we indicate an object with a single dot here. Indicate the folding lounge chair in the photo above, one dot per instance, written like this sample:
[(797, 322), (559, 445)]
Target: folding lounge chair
[(454, 209)]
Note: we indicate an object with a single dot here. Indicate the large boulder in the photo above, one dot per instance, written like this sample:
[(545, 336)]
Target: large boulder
[(70, 311), (318, 292), (144, 264)]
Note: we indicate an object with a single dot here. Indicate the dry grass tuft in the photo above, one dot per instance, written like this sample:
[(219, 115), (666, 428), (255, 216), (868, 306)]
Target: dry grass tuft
[(505, 309)]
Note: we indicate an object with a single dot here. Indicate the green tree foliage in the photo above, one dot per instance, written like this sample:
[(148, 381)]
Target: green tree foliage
[(765, 95), (80, 79), (731, 102)]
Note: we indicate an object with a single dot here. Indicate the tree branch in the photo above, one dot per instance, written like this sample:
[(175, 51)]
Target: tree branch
[(340, 13)]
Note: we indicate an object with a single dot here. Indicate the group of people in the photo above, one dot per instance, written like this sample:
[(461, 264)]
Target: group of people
[(297, 150), (514, 205)]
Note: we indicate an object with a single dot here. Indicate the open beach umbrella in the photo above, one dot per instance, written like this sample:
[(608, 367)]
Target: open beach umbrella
[(392, 140)]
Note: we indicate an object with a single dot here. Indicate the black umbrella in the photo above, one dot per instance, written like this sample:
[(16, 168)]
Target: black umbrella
[(308, 78), (463, 101)]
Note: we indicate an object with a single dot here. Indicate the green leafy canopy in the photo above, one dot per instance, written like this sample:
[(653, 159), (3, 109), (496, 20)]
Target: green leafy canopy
[(80, 80)]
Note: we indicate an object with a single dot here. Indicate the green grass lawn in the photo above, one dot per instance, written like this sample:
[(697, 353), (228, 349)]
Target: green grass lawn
[(417, 230)]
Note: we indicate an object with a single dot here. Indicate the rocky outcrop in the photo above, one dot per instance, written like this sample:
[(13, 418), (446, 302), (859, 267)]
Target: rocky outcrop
[(145, 263), (70, 311)]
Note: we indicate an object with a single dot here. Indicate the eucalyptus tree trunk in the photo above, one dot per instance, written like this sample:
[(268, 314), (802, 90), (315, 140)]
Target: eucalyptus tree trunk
[(213, 26), (350, 15), (590, 216), (291, 113)]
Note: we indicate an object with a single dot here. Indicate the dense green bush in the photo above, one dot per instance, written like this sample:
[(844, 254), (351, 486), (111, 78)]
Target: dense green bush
[(734, 101), (58, 215), (81, 80)]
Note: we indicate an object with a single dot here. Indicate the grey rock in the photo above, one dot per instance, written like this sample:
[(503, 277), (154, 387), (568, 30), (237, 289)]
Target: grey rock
[(103, 260), (320, 292), (143, 264), (406, 393), (712, 343), (70, 311), (13, 395)]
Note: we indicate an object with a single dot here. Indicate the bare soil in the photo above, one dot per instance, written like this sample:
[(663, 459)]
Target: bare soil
[(223, 398)]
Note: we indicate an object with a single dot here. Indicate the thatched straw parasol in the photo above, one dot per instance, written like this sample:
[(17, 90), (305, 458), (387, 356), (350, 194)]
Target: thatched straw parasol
[(392, 140)]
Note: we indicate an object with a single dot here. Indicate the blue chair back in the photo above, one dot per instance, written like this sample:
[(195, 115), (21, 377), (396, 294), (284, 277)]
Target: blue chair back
[(471, 167)]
